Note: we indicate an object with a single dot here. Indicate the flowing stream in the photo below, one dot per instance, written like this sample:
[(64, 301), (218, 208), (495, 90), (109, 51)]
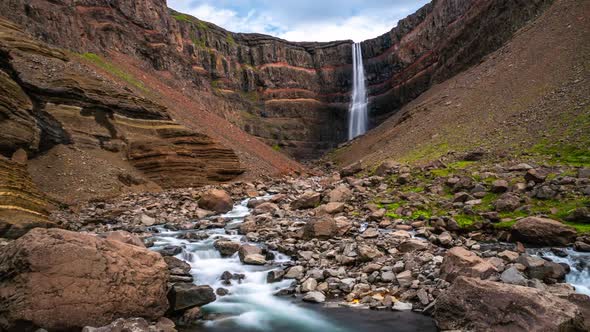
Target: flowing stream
[(579, 263), (357, 114), (251, 304)]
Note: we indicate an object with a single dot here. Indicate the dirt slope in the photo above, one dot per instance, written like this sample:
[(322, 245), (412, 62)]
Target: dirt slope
[(529, 97)]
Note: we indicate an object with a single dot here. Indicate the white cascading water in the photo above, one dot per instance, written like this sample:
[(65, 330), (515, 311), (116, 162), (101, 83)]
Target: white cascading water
[(357, 113), (251, 304)]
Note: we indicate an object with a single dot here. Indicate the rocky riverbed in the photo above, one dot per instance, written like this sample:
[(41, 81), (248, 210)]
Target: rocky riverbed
[(460, 244)]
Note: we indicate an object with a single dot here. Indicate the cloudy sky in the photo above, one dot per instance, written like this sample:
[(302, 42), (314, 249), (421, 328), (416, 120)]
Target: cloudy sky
[(303, 20)]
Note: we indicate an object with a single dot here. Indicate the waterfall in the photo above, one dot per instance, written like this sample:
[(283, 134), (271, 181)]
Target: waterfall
[(357, 113)]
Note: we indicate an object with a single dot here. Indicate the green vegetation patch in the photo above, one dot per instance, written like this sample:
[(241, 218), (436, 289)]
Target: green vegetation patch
[(560, 153), (276, 147), (230, 39), (114, 70), (182, 17)]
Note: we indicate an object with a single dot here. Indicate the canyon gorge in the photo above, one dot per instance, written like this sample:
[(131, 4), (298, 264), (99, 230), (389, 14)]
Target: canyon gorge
[(159, 172)]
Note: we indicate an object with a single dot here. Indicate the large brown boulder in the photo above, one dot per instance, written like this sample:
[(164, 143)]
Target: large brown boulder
[(322, 228), (462, 262), (308, 200), (478, 305), (62, 280), (216, 200), (543, 231)]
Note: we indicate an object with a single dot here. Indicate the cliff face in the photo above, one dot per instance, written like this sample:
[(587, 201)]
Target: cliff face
[(52, 99), (294, 96)]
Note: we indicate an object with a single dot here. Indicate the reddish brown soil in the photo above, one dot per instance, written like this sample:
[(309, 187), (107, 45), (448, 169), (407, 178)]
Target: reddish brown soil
[(536, 88), (187, 108)]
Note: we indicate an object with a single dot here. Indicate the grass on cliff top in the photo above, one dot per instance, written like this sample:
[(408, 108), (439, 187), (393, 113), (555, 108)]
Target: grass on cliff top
[(182, 17), (114, 70)]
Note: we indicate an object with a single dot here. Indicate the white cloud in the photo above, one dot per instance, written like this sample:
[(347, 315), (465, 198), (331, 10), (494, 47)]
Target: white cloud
[(360, 23)]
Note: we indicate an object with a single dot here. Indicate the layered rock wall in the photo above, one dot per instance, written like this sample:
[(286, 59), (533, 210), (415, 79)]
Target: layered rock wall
[(292, 95)]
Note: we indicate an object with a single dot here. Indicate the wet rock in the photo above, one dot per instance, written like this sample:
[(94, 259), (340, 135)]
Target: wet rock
[(402, 306), (251, 255), (221, 291), (537, 310), (461, 262), (314, 297), (170, 250), (308, 200), (82, 269), (187, 295), (134, 325), (543, 231), (582, 246), (177, 266), (309, 285), (295, 272), (275, 276), (538, 268), (226, 248), (216, 200), (147, 220)]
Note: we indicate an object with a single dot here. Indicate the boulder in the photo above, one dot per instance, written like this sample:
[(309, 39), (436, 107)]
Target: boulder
[(351, 169), (125, 237), (478, 305), (177, 266), (405, 278), (461, 262), (386, 167), (500, 186), (513, 276), (226, 248), (413, 245), (251, 255), (581, 215), (507, 203), (97, 281), (322, 228), (295, 272), (339, 194), (308, 200), (266, 207), (330, 208), (543, 231), (368, 253), (134, 325), (314, 297), (216, 200), (538, 268), (184, 296)]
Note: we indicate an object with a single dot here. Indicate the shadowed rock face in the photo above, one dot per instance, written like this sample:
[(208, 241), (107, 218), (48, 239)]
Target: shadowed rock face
[(294, 95)]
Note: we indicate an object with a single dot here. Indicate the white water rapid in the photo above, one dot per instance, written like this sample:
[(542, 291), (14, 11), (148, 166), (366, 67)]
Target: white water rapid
[(357, 113), (579, 263), (251, 305)]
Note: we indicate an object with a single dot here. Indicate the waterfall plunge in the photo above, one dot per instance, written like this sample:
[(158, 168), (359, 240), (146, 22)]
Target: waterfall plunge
[(357, 114)]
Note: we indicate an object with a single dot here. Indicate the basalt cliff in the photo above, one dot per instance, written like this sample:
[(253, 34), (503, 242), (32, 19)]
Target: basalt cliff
[(292, 96)]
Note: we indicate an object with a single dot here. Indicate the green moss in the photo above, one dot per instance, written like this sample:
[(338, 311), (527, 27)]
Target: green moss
[(560, 153), (182, 17), (505, 224), (580, 228), (114, 70), (230, 39), (424, 214), (198, 42), (465, 220), (251, 96), (451, 168), (276, 147), (426, 153), (445, 172), (202, 25)]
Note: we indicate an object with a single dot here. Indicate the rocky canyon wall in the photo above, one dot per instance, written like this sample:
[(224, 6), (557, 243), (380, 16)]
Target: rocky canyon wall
[(294, 96)]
